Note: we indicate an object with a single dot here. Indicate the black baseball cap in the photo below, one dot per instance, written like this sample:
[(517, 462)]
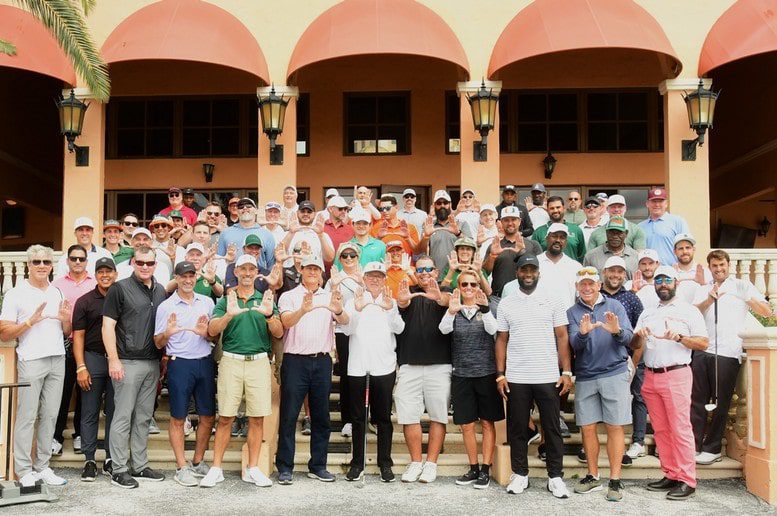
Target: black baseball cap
[(184, 267), (104, 263), (307, 205), (246, 200), (526, 259), (188, 191), (593, 200)]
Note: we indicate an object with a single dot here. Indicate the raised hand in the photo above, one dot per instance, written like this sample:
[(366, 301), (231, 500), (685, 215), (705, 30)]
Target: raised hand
[(231, 253), (293, 224), (519, 242), (233, 309), (429, 226), (404, 232), (37, 316), (201, 327), (453, 261), (65, 312), (644, 332), (358, 299), (611, 323), (383, 230), (336, 277), (669, 334), (209, 272), (222, 222), (406, 262), (481, 299), (281, 255), (500, 230), (477, 263), (528, 203), (638, 282), (212, 251), (454, 305), (172, 325), (386, 301), (699, 277), (318, 224), (336, 302), (403, 292), (169, 250), (481, 237), (587, 326), (266, 307), (307, 302), (275, 274), (496, 247), (433, 292), (453, 226)]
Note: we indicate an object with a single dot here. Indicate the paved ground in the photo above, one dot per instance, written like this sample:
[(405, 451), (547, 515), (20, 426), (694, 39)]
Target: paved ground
[(442, 497)]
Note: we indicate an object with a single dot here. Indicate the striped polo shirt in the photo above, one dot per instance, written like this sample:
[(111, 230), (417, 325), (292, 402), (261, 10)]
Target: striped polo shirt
[(530, 319)]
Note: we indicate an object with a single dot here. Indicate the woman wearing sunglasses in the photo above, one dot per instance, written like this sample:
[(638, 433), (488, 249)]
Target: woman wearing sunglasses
[(465, 257)]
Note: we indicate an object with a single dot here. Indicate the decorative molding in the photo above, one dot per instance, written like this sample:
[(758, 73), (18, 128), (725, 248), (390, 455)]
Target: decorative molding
[(81, 93), (683, 84), (286, 91), (751, 363), (474, 86)]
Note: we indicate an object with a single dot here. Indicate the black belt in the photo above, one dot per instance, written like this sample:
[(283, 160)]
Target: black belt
[(104, 355), (311, 355), (665, 369)]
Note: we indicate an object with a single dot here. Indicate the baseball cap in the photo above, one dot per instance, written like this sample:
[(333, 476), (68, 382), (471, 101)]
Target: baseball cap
[(141, 231), (616, 223), (244, 259), (290, 186), (173, 189), (83, 222), (188, 191), (331, 192), (470, 190), (526, 259), (408, 191), (312, 259), (176, 214), (656, 193), (557, 227), (104, 263), (465, 242), (337, 202), (183, 267), (375, 267), (111, 223), (510, 211), (195, 246), (252, 240), (593, 200), (666, 270), (614, 261), (684, 236), (306, 205), (398, 243), (234, 200), (487, 207), (353, 247), (616, 199), (272, 205), (246, 200), (602, 196), (647, 253), (159, 219), (538, 187), (441, 194), (509, 188), (360, 215), (587, 273)]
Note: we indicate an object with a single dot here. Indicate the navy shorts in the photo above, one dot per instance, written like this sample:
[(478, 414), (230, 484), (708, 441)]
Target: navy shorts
[(187, 377)]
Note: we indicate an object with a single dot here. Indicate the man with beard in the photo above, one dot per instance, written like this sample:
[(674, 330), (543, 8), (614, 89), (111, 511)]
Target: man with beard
[(669, 333), (502, 253), (532, 333), (735, 297), (690, 275), (510, 198), (440, 231), (236, 234), (642, 284), (575, 247), (309, 228), (573, 213), (536, 204), (615, 245)]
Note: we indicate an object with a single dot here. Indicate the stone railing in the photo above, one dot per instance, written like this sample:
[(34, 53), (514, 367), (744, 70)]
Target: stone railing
[(759, 266), (13, 267)]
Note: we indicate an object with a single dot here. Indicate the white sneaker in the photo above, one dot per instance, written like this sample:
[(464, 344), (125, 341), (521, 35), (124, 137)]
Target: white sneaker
[(518, 483), (412, 472), (706, 458), (77, 444), (29, 479), (50, 478), (153, 428), (255, 476), (558, 487), (636, 450), (187, 427), (347, 430), (214, 476), (429, 473), (56, 447)]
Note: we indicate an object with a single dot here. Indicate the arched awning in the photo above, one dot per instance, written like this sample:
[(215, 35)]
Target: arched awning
[(36, 49), (186, 30), (550, 26), (747, 28), (362, 27)]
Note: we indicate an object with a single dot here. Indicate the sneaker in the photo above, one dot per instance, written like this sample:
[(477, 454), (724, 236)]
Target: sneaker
[(626, 461), (468, 478), (50, 478), (89, 473), (200, 470), (305, 426), (255, 476), (412, 472), (213, 477), (285, 478), (588, 484), (557, 486), (187, 427), (243, 427), (77, 444), (56, 448), (29, 479), (149, 474), (108, 467), (534, 435), (483, 481), (235, 427), (153, 428), (705, 458), (636, 450), (354, 474), (429, 473), (614, 491), (347, 430), (541, 452), (564, 428), (518, 483), (322, 475), (581, 457), (387, 475), (124, 479), (185, 477)]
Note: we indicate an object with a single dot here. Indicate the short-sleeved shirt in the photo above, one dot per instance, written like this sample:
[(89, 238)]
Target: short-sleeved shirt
[(680, 317), (246, 334), (598, 256), (124, 253), (314, 332), (687, 286), (206, 289), (660, 233), (45, 338), (635, 239), (236, 234), (415, 217), (88, 316), (421, 342), (373, 251), (133, 306), (313, 240), (630, 302), (189, 214), (392, 233), (574, 217), (504, 264), (72, 289), (575, 248), (441, 244), (530, 320), (92, 255), (184, 344)]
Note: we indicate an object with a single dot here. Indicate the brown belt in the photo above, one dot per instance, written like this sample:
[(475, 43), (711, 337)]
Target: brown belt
[(658, 370)]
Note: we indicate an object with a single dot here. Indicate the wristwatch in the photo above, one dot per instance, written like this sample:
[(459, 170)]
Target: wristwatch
[(566, 373)]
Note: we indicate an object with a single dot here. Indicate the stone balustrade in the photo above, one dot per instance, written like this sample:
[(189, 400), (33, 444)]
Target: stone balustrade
[(759, 266), (13, 267)]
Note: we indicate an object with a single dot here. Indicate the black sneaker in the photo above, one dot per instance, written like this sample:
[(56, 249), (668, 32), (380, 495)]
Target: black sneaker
[(354, 474), (626, 461), (386, 475), (108, 467), (89, 474), (124, 479), (468, 478), (541, 452), (483, 481), (581, 457), (149, 474)]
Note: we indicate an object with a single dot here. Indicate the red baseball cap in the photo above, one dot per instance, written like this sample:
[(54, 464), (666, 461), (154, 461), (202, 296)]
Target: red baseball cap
[(656, 193)]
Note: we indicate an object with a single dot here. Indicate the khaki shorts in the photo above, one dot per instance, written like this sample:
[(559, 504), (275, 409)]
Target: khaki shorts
[(423, 387), (252, 378)]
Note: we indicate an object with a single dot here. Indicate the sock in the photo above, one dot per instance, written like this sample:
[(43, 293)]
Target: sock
[(474, 467), (484, 468), (195, 464)]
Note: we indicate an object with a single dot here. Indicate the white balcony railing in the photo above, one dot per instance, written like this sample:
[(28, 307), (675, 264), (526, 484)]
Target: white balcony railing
[(759, 266), (13, 267)]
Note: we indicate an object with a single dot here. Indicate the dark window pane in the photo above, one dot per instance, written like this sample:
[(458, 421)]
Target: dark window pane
[(602, 136), (531, 137), (661, 136), (602, 106), (196, 112), (130, 142), (632, 106), (392, 110), (504, 139), (159, 142), (361, 110), (453, 109), (358, 133), (563, 137), (633, 136), (129, 203), (253, 114), (131, 114), (155, 202), (562, 107), (392, 139), (196, 142), (226, 141), (531, 108), (253, 141), (303, 109), (226, 112), (160, 113)]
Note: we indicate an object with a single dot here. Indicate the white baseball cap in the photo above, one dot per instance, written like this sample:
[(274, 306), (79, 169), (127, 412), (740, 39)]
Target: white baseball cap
[(360, 215), (684, 236), (312, 259), (510, 211), (331, 192), (441, 194), (586, 273), (470, 190), (141, 231), (375, 267), (195, 246), (666, 270), (648, 253), (337, 202), (244, 259), (557, 227), (616, 199), (83, 221), (408, 191), (615, 261), (487, 207)]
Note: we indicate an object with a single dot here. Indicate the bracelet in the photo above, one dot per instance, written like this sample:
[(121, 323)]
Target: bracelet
[(80, 368), (566, 373), (339, 313), (500, 378)]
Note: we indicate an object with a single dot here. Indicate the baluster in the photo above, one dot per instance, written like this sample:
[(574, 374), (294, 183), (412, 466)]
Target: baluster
[(744, 269), (732, 269), (7, 275), (19, 271), (771, 285), (759, 275)]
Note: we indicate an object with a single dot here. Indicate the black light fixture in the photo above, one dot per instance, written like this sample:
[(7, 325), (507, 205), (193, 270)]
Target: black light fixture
[(550, 165), (763, 227), (272, 109), (207, 169), (71, 123), (701, 113), (483, 105)]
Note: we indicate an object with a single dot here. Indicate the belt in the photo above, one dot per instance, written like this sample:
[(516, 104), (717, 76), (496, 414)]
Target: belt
[(247, 358), (104, 355), (174, 357), (659, 370), (309, 355)]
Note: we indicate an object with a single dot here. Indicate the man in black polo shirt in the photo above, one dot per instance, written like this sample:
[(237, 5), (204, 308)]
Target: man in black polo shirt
[(92, 367), (129, 316)]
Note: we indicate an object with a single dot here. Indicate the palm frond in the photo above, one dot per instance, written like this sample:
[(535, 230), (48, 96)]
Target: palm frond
[(65, 21), (7, 48)]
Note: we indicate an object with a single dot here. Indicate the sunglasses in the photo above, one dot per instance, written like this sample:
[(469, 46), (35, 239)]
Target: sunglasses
[(663, 280), (348, 255), (77, 258), (41, 262), (130, 224), (244, 206), (468, 196), (587, 271), (420, 270), (466, 284), (213, 213), (442, 203), (408, 196), (141, 263), (573, 199), (385, 209), (591, 206), (173, 195)]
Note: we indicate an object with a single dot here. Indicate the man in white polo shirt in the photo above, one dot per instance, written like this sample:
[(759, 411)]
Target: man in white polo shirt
[(83, 229), (141, 237), (690, 275), (38, 315), (410, 213)]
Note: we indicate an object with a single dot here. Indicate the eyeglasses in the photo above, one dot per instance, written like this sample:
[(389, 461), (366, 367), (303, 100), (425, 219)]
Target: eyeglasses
[(385, 208), (420, 270), (663, 280), (466, 284), (141, 263), (77, 258), (468, 196), (573, 198), (41, 262), (130, 224), (173, 194), (587, 271), (348, 255), (213, 213), (244, 206), (441, 203)]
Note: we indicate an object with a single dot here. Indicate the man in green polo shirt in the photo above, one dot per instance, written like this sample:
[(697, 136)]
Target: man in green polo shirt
[(208, 283), (246, 319), (372, 249), (575, 248), (112, 232)]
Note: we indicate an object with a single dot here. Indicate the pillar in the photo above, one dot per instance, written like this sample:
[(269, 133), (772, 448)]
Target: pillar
[(272, 178), (480, 176), (687, 182), (83, 188)]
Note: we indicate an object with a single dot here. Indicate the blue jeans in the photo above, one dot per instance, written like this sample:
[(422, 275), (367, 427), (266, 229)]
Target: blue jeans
[(304, 376), (638, 408)]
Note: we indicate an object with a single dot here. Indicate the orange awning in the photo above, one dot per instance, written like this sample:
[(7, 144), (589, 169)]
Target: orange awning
[(747, 28), (36, 50), (362, 27), (548, 26), (186, 30)]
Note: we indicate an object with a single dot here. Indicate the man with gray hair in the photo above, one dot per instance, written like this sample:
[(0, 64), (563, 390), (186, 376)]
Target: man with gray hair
[(38, 315), (616, 207)]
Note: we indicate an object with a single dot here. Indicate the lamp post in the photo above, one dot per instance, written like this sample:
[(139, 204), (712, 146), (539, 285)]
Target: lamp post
[(483, 105), (71, 123), (549, 163), (272, 109), (701, 112)]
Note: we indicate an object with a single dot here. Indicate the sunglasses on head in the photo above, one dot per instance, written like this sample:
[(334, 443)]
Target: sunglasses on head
[(41, 262), (587, 271), (663, 280), (420, 270), (468, 284), (348, 255), (131, 224), (141, 263), (77, 258)]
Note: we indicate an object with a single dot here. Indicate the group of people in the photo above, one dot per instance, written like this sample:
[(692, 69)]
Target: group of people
[(488, 311)]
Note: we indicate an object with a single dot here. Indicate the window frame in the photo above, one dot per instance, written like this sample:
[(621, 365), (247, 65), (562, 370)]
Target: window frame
[(376, 95)]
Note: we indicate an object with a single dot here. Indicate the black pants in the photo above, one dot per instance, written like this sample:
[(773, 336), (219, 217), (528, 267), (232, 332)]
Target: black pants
[(703, 366), (381, 388), (341, 342), (520, 401), (67, 394), (92, 401)]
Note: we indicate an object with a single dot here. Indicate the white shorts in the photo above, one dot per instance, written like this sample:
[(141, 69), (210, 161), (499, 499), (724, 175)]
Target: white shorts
[(420, 387)]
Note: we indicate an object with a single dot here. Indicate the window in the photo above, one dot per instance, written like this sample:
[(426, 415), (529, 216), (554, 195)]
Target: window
[(211, 128), (452, 123), (377, 123), (617, 121), (303, 124), (144, 128)]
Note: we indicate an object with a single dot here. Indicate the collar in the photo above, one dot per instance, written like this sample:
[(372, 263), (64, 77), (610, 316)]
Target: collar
[(599, 300), (619, 291), (135, 278), (97, 293), (70, 278), (587, 225), (253, 295), (177, 299)]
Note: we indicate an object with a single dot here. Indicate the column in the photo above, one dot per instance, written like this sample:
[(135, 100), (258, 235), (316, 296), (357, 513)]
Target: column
[(272, 178), (687, 182), (83, 188), (481, 176)]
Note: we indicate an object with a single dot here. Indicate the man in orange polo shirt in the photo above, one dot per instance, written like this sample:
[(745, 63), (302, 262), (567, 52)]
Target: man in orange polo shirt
[(398, 267), (390, 227)]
